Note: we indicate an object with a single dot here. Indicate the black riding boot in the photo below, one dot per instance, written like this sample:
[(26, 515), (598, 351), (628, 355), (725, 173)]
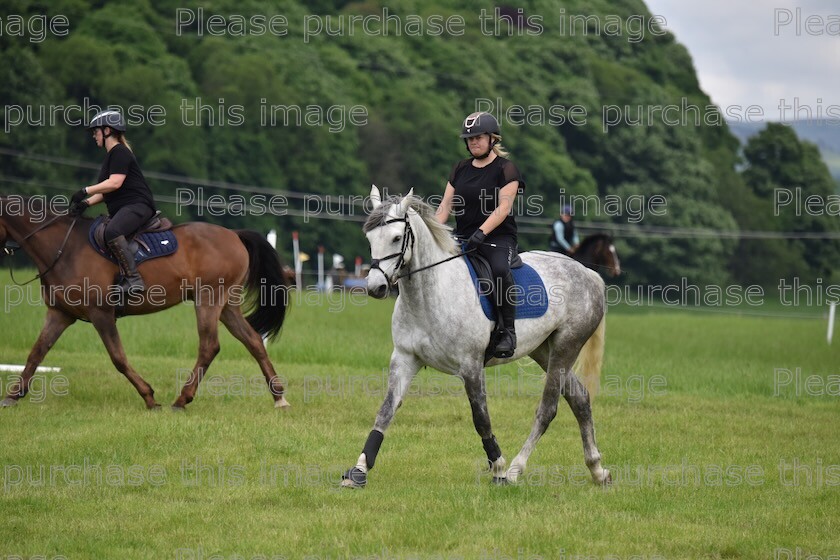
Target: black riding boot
[(132, 281), (507, 341)]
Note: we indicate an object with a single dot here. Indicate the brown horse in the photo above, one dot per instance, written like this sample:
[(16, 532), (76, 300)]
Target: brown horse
[(597, 251), (213, 266)]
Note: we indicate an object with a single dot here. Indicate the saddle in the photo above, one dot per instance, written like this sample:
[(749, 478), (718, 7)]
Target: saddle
[(531, 295), (154, 239)]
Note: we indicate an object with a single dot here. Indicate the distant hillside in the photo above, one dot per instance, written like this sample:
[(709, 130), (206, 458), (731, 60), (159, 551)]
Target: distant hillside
[(825, 135), (315, 111)]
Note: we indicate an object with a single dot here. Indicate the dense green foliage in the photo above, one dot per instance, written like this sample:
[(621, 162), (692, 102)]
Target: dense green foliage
[(783, 175), (414, 90)]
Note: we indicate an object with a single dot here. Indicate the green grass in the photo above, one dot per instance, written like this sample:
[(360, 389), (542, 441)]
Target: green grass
[(201, 482)]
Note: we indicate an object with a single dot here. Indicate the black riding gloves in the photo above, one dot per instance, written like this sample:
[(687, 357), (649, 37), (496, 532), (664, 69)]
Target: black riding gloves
[(78, 196), (78, 208), (475, 240)]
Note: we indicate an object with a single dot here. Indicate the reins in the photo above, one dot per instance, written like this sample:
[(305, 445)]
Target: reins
[(11, 250)]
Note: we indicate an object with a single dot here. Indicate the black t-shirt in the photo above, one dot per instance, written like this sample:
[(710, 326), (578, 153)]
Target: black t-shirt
[(477, 195), (120, 160)]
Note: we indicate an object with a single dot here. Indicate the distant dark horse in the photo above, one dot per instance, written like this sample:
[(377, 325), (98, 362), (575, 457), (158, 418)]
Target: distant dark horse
[(212, 267), (598, 252)]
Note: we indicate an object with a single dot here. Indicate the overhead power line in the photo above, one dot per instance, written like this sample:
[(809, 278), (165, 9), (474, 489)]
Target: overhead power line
[(532, 225)]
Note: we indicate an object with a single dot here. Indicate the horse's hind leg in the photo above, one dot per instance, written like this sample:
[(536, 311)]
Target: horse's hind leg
[(577, 397), (106, 326), (560, 379), (207, 317), (55, 324), (555, 369), (237, 325)]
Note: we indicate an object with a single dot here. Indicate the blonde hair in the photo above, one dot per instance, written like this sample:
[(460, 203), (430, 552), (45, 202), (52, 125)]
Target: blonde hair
[(498, 149), (122, 139)]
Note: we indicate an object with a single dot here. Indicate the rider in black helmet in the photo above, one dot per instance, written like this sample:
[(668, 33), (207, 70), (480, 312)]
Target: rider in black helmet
[(481, 190), (123, 189)]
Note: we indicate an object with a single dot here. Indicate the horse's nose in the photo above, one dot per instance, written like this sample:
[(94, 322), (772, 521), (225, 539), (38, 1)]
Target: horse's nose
[(377, 291)]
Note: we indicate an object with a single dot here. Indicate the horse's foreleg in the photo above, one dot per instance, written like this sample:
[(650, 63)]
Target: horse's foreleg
[(55, 324), (402, 371), (476, 393), (106, 325), (207, 317), (237, 325)]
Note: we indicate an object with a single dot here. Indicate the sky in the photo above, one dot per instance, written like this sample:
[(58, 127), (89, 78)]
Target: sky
[(753, 52)]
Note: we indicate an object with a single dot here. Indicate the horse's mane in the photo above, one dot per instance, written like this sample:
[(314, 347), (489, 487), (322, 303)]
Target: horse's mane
[(441, 233), (592, 240)]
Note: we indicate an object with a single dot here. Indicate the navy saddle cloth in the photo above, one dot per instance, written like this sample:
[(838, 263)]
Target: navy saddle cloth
[(530, 294), (145, 246)]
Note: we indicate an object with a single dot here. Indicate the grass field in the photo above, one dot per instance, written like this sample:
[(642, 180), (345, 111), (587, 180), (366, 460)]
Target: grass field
[(716, 450)]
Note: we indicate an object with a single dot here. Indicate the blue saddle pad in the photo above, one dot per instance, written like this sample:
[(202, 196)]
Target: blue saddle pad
[(531, 296), (159, 243)]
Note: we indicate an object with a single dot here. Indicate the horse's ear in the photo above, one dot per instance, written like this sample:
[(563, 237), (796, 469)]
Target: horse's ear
[(406, 201), (375, 197)]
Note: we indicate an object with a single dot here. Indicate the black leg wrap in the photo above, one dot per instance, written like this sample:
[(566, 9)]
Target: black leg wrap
[(374, 441), (491, 447)]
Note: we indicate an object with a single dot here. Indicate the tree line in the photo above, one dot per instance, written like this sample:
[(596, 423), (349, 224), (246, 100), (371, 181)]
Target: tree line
[(274, 112)]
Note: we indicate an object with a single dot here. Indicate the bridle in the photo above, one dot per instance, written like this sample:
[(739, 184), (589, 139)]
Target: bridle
[(408, 241), (10, 249)]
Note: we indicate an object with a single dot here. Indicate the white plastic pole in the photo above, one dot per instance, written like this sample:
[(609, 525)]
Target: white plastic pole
[(298, 264), (831, 314), (19, 369), (320, 267)]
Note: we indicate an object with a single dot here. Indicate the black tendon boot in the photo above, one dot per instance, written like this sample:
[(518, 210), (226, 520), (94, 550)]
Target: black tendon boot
[(132, 281)]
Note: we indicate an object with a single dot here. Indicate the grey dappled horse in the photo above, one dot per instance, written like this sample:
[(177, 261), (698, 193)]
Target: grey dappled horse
[(438, 321)]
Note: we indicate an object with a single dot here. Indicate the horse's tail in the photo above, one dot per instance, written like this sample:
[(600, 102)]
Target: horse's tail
[(591, 357), (268, 291)]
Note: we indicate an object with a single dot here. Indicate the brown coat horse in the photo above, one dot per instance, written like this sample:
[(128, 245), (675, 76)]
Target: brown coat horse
[(214, 267), (597, 252)]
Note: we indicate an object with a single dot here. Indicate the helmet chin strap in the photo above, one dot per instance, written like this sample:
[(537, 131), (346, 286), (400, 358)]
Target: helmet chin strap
[(485, 155)]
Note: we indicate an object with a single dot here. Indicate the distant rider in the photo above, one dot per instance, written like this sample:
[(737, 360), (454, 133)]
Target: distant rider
[(564, 238)]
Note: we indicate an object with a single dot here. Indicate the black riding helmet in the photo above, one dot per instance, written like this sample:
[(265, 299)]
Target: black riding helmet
[(112, 119), (480, 123)]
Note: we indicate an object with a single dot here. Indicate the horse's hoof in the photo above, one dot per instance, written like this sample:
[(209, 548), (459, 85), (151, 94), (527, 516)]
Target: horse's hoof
[(514, 472), (154, 408), (500, 481), (8, 402), (176, 408), (354, 478), (282, 403), (605, 479)]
